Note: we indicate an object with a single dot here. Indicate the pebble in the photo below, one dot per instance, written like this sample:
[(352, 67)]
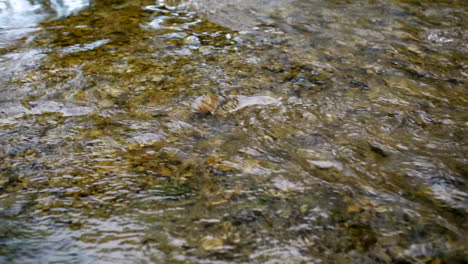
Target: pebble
[(192, 40), (211, 243)]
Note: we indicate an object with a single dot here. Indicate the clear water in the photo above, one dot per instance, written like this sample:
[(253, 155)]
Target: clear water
[(202, 131)]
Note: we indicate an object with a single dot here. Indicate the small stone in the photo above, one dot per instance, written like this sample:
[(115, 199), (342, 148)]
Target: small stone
[(177, 242), (157, 78), (192, 40), (246, 216), (114, 92), (381, 254), (223, 167), (322, 164), (354, 208), (208, 104), (396, 251), (211, 243)]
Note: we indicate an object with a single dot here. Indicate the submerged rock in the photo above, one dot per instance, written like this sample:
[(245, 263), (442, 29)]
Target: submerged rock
[(211, 243), (206, 104)]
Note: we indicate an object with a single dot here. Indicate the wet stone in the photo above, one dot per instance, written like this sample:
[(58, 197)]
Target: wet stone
[(192, 40), (211, 243), (246, 217)]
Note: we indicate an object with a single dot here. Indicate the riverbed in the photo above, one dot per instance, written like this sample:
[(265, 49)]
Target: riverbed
[(203, 131)]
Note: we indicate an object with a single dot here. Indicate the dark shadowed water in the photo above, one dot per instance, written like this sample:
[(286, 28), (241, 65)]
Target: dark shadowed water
[(247, 131)]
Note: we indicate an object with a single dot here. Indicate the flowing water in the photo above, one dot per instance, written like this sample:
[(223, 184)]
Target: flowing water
[(247, 131)]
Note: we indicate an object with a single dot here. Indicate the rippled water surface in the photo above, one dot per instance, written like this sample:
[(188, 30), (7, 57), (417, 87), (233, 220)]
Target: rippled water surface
[(247, 131)]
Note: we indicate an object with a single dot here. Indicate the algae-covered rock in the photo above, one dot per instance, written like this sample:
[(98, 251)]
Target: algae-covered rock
[(211, 243), (207, 104)]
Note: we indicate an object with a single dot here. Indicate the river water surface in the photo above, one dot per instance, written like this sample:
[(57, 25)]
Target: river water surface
[(246, 131)]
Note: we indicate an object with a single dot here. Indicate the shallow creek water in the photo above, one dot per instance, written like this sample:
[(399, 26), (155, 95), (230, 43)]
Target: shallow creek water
[(248, 131)]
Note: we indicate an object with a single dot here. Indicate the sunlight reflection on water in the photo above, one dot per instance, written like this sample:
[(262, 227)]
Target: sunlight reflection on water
[(22, 13)]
